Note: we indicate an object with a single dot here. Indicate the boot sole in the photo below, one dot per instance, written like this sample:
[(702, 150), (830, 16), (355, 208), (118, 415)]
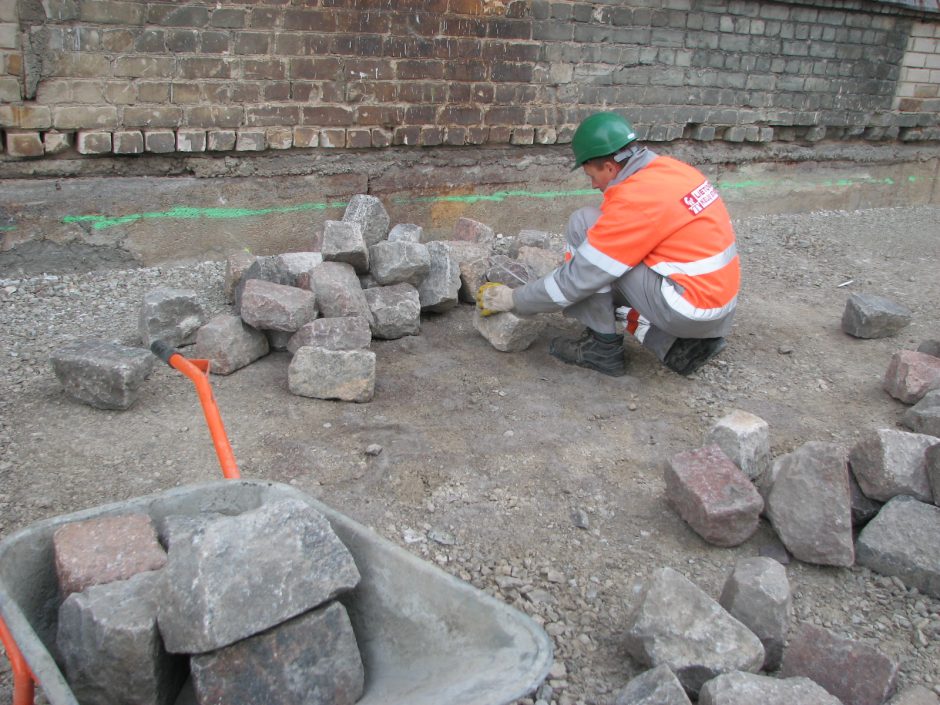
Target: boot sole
[(589, 365)]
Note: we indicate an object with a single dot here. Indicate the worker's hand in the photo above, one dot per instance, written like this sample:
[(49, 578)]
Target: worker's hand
[(494, 298)]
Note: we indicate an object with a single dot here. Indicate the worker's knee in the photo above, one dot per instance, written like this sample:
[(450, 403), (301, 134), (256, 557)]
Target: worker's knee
[(579, 223)]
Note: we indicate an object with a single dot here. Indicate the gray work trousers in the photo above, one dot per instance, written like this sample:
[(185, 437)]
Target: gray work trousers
[(640, 289)]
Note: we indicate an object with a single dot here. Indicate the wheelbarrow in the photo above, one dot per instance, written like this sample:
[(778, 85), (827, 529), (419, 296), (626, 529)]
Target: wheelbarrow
[(425, 637)]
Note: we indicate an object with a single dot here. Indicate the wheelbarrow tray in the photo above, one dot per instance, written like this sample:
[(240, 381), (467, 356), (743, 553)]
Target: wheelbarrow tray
[(425, 636)]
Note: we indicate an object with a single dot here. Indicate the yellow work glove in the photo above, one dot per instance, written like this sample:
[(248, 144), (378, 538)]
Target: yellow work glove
[(494, 298)]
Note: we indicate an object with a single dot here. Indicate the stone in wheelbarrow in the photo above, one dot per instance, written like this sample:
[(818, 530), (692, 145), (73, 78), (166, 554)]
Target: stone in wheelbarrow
[(110, 646), (234, 576), (311, 659)]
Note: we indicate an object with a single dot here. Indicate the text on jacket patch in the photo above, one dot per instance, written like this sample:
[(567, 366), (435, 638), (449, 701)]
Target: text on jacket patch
[(700, 198)]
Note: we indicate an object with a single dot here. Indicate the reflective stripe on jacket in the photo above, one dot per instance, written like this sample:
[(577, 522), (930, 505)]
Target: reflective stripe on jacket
[(666, 215)]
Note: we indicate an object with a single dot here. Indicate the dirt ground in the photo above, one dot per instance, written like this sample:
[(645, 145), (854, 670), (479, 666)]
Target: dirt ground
[(496, 464)]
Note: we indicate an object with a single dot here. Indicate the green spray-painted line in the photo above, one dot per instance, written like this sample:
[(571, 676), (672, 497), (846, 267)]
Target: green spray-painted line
[(6, 228), (101, 222), (497, 197)]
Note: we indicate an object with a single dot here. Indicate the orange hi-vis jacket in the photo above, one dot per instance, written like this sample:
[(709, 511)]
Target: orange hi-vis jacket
[(668, 216)]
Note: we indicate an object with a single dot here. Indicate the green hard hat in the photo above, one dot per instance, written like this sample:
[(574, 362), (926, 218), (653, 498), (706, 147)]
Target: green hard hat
[(599, 135)]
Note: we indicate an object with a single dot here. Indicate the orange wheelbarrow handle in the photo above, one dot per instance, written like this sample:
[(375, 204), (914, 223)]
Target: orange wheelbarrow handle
[(198, 372)]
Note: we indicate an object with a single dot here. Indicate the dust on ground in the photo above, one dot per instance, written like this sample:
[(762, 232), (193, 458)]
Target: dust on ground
[(527, 467)]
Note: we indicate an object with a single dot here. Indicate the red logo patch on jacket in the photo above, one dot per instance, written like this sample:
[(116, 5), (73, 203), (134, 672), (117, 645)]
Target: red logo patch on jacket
[(700, 198)]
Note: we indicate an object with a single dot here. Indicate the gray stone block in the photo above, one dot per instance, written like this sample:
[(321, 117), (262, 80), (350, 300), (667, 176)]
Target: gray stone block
[(338, 291), (904, 541), (930, 347), (810, 506), (399, 262), (278, 339), (864, 508), (312, 659), (508, 332), (932, 463), (111, 647), (438, 290), (170, 315), (396, 311), (503, 270), (296, 265), (269, 306), (346, 333), (848, 669), (757, 594), (343, 242), (869, 316), (657, 686), (105, 549), (713, 496), (347, 375), (371, 216), (677, 624), (269, 269), (915, 695), (235, 267), (924, 416), (472, 277), (745, 438), (530, 238), (102, 375), (887, 463), (538, 261), (407, 232), (229, 344), (751, 689), (239, 575)]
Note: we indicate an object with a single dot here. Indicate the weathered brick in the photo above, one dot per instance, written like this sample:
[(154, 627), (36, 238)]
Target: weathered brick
[(279, 137), (172, 16), (24, 144), (82, 117), (306, 136), (333, 138), (127, 142), (160, 141), (26, 116), (57, 142), (182, 40), (93, 142), (198, 67), (269, 115), (112, 12), (157, 116), (9, 90), (143, 67), (190, 140), (220, 140), (315, 69), (249, 140), (328, 116)]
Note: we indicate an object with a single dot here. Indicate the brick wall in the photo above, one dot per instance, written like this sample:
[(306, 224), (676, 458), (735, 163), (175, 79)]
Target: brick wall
[(129, 76)]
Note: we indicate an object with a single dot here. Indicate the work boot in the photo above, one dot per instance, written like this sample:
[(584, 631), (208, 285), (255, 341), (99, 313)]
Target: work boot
[(592, 351), (688, 354)]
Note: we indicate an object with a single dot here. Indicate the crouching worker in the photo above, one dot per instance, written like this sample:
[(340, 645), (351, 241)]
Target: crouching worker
[(661, 245)]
